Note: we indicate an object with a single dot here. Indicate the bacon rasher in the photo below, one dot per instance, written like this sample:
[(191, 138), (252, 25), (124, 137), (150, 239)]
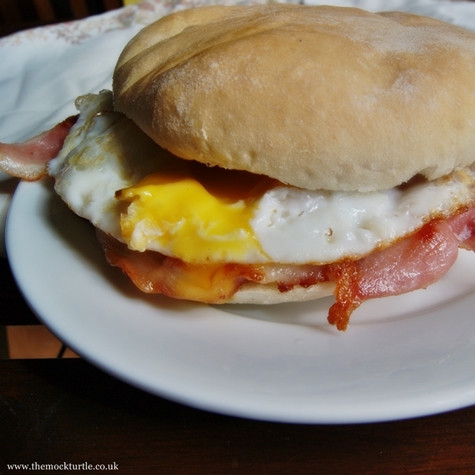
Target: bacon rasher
[(28, 160), (413, 263)]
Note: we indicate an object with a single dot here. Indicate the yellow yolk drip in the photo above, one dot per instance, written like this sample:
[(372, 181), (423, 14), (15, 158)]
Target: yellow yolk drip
[(197, 215)]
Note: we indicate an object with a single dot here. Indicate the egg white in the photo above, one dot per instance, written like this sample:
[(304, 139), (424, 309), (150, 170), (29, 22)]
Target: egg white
[(105, 152)]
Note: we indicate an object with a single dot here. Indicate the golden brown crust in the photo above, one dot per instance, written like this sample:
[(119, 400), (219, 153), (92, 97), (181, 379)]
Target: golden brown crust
[(317, 97)]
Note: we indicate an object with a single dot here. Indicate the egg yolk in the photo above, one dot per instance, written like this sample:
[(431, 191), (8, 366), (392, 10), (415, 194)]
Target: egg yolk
[(195, 213)]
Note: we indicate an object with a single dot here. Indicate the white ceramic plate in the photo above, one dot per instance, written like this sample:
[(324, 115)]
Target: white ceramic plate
[(401, 357)]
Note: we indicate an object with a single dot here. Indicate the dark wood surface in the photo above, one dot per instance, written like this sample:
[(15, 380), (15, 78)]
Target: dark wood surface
[(55, 411)]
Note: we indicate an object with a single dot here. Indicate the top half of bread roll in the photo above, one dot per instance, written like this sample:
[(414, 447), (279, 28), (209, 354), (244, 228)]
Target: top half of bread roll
[(318, 97)]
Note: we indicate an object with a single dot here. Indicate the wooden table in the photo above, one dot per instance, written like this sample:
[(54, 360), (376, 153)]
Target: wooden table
[(65, 411)]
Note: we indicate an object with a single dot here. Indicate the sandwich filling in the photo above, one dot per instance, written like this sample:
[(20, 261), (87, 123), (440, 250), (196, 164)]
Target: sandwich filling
[(189, 231)]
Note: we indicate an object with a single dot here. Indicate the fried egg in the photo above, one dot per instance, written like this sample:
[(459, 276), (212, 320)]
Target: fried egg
[(114, 175)]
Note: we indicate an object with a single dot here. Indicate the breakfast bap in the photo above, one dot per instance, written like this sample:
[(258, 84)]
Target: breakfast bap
[(275, 153)]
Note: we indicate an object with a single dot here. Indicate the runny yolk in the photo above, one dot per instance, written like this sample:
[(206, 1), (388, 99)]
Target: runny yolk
[(195, 213)]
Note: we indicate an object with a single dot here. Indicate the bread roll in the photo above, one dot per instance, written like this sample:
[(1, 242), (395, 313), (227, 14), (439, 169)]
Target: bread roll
[(269, 294), (318, 97)]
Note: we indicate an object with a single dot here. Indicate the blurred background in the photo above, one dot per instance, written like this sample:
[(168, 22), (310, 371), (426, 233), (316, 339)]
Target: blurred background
[(16, 15)]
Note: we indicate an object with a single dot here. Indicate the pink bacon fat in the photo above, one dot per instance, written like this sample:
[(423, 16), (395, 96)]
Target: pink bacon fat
[(28, 160)]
